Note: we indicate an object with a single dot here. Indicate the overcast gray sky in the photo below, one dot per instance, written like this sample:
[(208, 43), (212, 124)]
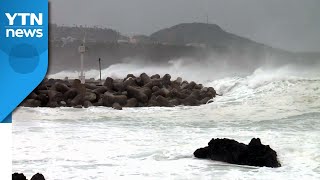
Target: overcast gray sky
[(288, 24)]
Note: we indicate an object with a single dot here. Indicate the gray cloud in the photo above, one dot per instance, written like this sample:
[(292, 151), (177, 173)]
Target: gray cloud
[(289, 24)]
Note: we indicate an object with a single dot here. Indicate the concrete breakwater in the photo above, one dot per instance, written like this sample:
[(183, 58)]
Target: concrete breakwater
[(142, 91)]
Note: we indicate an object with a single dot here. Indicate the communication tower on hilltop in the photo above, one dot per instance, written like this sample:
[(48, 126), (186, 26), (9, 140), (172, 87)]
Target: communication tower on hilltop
[(82, 50)]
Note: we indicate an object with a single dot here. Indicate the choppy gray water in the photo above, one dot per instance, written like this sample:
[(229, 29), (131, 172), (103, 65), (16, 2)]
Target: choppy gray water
[(158, 143)]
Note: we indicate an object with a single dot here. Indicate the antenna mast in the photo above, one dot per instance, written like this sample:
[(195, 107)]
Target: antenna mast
[(82, 50), (100, 69)]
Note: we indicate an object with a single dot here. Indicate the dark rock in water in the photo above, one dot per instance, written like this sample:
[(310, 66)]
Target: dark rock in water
[(78, 100), (205, 100), (202, 153), (174, 102), (21, 176), (18, 176), (132, 102), (78, 106), (37, 177), (117, 106), (31, 103), (109, 99), (190, 100), (99, 103), (231, 151), (53, 104), (87, 104), (63, 103), (162, 101)]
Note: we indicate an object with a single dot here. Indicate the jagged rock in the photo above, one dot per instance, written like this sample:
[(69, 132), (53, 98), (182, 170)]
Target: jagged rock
[(70, 94), (154, 82), (31, 103), (100, 90), (129, 82), (99, 103), (198, 86), (212, 91), (33, 95), (134, 92), (37, 177), (61, 87), (190, 86), (91, 86), (78, 100), (231, 151), (166, 79), (155, 89), (89, 96), (53, 104), (130, 76), (145, 78), (205, 100), (41, 87), (18, 176), (118, 85), (78, 106), (175, 94), (43, 99), (147, 91), (117, 106), (55, 96), (178, 80), (174, 102), (162, 92), (162, 101), (108, 83), (139, 81), (63, 103), (132, 102), (109, 99), (87, 104), (156, 76)]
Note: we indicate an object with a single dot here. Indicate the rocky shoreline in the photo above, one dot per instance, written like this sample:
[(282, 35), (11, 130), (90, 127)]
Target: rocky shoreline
[(142, 91)]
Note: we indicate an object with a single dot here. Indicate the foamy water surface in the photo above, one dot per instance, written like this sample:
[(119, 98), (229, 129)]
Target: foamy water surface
[(281, 107)]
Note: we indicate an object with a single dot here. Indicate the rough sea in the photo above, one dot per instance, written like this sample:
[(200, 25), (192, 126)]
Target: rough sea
[(281, 106)]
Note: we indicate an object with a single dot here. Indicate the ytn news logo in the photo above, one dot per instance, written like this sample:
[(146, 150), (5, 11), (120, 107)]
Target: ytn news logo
[(24, 25)]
